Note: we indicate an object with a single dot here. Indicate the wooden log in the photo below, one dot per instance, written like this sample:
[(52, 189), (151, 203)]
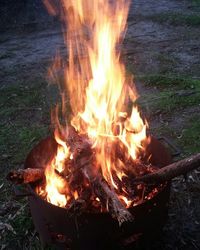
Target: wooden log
[(107, 196), (83, 158), (171, 171), (27, 175), (82, 152), (80, 145), (110, 200)]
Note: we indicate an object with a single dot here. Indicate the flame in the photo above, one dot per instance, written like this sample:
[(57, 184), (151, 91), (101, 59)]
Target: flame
[(57, 189), (134, 133), (105, 94), (98, 89), (62, 153), (125, 200)]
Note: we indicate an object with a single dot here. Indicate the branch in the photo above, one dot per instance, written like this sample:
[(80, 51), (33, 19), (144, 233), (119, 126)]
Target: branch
[(171, 171)]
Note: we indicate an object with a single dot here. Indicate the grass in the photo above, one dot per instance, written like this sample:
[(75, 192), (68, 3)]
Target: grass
[(167, 62), (168, 102), (24, 120), (22, 113), (190, 137), (175, 93), (196, 3), (23, 95), (186, 137), (19, 229), (173, 96), (13, 136), (167, 81), (177, 18)]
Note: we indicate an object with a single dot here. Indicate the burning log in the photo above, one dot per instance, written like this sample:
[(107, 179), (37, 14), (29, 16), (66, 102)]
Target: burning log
[(167, 173), (107, 196), (81, 149), (27, 175), (80, 146), (110, 199), (171, 171)]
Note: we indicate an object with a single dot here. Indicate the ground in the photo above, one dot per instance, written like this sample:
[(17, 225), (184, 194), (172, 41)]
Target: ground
[(162, 50)]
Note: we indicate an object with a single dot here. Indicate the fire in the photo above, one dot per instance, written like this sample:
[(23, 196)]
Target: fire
[(56, 190), (99, 92), (62, 153), (55, 187), (125, 200), (134, 133)]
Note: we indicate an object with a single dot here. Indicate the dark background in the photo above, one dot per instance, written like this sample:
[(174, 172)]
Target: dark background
[(17, 13)]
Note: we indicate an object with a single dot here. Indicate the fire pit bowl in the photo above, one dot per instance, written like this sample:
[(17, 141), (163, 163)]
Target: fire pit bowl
[(96, 230)]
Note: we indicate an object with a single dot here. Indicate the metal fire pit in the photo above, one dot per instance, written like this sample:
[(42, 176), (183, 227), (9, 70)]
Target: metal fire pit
[(97, 230)]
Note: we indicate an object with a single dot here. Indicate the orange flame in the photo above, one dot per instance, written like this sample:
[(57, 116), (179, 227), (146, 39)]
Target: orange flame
[(97, 86), (56, 189)]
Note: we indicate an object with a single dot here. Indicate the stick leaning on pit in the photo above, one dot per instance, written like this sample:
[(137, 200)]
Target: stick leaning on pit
[(171, 171)]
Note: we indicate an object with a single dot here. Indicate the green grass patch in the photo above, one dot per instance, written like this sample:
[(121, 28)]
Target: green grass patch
[(22, 95), (186, 137), (167, 62), (19, 229), (177, 19), (168, 102), (175, 93), (196, 3), (169, 81), (190, 138), (24, 120), (17, 140), (22, 112)]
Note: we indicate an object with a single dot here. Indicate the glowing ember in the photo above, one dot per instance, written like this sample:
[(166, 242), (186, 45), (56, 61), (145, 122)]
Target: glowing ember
[(99, 92)]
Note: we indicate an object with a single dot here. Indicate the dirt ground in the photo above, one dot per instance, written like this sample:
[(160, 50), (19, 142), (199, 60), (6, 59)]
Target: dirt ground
[(162, 50)]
